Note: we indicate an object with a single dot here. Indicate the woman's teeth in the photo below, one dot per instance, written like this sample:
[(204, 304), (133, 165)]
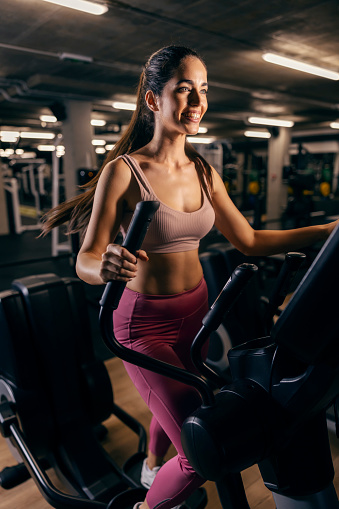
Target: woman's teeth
[(195, 116)]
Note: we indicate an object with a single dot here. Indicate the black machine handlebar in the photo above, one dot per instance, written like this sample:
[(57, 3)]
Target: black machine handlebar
[(291, 265), (211, 321), (228, 295), (141, 220)]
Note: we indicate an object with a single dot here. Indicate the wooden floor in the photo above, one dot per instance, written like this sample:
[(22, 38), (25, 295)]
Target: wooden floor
[(120, 444)]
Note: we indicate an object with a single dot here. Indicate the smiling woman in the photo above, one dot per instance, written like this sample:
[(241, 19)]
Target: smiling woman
[(165, 300)]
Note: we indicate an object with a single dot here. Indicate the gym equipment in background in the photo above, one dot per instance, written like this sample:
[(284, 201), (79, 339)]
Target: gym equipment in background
[(58, 391)]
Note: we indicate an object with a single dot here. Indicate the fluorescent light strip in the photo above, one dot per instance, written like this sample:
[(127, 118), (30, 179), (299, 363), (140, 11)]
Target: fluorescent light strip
[(124, 106), (7, 152), (334, 125), (46, 148), (81, 5), (9, 136), (13, 133), (257, 134), (41, 136), (48, 118), (27, 134), (197, 139), (98, 123), (270, 121), (300, 66), (98, 142)]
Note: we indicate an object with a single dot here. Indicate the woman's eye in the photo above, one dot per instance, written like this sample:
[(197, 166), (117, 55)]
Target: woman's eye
[(184, 89), (204, 91)]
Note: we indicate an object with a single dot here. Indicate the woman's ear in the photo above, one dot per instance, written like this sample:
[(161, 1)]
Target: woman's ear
[(151, 101)]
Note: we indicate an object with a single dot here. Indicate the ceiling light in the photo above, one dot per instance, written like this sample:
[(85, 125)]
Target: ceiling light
[(100, 150), (60, 150), (75, 57), (124, 106), (109, 147), (41, 136), (202, 130), (98, 142), (82, 5), (98, 123), (197, 139), (9, 136), (270, 121), (28, 155), (46, 148), (48, 118), (300, 66), (7, 152), (334, 125), (257, 134)]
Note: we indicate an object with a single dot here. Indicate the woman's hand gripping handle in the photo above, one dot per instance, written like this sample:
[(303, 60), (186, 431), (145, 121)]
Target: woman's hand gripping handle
[(141, 220)]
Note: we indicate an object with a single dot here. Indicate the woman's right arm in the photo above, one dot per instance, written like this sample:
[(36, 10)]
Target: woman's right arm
[(99, 260)]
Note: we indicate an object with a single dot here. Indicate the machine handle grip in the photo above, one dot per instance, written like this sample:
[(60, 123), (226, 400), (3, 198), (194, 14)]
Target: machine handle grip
[(228, 295), (286, 275), (141, 220)]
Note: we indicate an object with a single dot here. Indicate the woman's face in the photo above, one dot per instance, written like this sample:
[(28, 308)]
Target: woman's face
[(183, 101)]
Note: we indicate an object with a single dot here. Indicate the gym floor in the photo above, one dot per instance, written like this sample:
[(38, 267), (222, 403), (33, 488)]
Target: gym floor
[(23, 255)]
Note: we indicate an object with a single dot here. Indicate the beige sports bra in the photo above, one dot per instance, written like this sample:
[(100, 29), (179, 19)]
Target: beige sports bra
[(171, 231)]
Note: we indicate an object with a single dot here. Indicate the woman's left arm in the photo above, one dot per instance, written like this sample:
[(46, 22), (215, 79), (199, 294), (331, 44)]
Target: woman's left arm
[(233, 225)]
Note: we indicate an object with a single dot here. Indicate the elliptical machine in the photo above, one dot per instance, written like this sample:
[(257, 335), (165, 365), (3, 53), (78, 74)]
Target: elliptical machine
[(287, 394), (275, 407)]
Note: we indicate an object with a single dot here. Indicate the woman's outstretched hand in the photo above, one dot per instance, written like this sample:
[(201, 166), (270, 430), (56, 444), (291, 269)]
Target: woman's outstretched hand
[(331, 226), (119, 264)]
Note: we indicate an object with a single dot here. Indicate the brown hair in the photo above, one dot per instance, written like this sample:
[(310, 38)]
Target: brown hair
[(158, 70)]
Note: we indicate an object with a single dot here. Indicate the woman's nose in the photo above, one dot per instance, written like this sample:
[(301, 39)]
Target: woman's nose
[(194, 97)]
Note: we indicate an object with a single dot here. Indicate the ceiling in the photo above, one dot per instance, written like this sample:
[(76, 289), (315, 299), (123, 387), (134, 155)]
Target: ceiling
[(38, 77)]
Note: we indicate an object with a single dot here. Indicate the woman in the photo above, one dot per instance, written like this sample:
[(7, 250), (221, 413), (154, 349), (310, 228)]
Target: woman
[(166, 296)]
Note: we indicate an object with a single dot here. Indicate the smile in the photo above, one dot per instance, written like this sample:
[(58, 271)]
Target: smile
[(192, 116)]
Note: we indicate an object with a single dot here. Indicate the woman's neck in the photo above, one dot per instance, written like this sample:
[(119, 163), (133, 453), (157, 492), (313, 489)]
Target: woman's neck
[(165, 149)]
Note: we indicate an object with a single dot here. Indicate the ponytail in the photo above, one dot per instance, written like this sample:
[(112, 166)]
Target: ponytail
[(77, 210)]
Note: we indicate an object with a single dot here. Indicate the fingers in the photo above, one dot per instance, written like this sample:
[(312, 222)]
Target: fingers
[(119, 264), (142, 255)]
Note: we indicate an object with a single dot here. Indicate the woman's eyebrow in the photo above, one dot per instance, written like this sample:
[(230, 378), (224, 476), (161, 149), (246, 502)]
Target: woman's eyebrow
[(190, 82)]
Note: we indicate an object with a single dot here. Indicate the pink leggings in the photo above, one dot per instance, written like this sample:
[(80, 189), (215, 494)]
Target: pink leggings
[(163, 327)]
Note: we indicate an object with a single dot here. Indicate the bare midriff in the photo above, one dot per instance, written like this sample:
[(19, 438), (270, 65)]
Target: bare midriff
[(167, 274)]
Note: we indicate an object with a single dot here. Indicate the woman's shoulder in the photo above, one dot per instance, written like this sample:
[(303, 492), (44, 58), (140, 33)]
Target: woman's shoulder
[(116, 173), (117, 165)]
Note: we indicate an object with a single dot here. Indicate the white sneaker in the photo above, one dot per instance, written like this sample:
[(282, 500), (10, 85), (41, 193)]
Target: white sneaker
[(147, 475), (147, 478)]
